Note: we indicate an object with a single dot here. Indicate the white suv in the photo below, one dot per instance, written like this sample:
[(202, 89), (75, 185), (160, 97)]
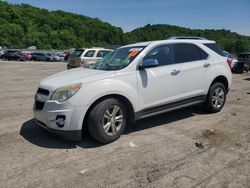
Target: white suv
[(130, 83)]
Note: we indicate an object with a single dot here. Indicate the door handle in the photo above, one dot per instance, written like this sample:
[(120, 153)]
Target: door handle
[(175, 72), (206, 65)]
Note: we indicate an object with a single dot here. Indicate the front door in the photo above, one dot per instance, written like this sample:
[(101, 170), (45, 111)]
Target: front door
[(162, 84)]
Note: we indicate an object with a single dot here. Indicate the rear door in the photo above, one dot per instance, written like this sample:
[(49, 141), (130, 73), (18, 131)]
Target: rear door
[(195, 66)]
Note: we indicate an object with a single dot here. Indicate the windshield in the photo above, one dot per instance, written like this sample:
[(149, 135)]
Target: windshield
[(118, 59), (77, 53)]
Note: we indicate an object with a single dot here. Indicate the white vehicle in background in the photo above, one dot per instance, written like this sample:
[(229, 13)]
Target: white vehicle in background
[(86, 57), (61, 56), (130, 83)]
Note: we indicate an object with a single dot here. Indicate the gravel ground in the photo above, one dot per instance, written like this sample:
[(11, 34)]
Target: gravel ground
[(184, 148)]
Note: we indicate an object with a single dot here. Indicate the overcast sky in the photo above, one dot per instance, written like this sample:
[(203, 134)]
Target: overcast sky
[(130, 14)]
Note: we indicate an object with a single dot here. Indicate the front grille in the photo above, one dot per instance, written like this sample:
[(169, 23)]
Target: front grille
[(39, 105)]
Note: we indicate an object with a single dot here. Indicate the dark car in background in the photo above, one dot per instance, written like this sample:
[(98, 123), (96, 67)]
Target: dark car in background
[(243, 63), (14, 55), (40, 57), (7, 54), (244, 57), (66, 55)]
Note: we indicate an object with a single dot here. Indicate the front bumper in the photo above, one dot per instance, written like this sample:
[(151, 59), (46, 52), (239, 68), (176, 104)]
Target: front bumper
[(67, 135), (74, 115)]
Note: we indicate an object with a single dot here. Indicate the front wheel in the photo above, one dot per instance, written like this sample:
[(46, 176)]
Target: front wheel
[(107, 120), (216, 97)]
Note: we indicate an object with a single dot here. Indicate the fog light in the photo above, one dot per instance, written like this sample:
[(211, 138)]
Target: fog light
[(60, 120)]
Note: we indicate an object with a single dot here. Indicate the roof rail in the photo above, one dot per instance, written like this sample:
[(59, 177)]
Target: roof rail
[(187, 37)]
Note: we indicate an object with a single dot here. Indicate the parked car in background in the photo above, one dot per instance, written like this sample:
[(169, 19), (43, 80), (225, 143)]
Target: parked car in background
[(244, 57), (13, 57), (133, 82), (66, 56), (24, 55), (86, 57), (40, 57), (53, 57), (243, 63), (61, 56)]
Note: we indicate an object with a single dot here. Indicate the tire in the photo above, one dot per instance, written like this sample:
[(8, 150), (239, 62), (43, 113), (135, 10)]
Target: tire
[(216, 98), (103, 115)]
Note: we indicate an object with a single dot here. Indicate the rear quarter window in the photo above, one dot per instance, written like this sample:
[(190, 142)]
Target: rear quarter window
[(215, 48)]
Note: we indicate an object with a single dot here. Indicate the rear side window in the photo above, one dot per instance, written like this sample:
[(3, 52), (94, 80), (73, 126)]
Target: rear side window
[(163, 54), (215, 48), (188, 52), (90, 53), (102, 53)]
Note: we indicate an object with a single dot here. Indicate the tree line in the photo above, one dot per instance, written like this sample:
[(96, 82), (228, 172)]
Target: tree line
[(23, 25)]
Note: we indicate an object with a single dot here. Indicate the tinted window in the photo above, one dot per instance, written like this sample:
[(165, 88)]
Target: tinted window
[(204, 55), (102, 53), (188, 52), (90, 53), (226, 54), (215, 48), (77, 53), (164, 54)]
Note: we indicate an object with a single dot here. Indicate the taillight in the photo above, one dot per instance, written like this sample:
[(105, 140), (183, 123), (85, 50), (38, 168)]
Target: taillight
[(229, 62)]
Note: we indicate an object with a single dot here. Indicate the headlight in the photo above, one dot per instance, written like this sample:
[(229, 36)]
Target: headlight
[(66, 92)]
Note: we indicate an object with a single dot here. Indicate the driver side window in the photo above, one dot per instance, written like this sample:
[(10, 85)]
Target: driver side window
[(163, 54)]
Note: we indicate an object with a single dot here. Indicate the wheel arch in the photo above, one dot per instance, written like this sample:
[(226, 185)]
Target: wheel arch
[(222, 79), (120, 97)]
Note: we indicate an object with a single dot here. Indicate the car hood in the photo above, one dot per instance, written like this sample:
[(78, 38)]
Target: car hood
[(77, 75)]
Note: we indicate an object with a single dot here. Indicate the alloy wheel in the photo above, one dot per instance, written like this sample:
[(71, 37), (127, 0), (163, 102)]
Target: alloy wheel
[(112, 120), (218, 98)]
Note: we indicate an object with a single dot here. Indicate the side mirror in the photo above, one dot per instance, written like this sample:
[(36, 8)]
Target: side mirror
[(149, 63)]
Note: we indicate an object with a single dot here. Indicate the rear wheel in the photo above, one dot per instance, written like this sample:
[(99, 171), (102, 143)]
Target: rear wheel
[(216, 97), (107, 120)]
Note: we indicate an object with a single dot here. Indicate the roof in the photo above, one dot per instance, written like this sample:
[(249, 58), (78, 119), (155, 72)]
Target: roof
[(94, 48), (170, 41), (187, 37)]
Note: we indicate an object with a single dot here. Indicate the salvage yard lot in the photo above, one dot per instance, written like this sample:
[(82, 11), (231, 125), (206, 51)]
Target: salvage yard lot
[(184, 148)]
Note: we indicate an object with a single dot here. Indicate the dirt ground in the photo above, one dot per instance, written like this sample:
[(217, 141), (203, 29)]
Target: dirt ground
[(184, 148)]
